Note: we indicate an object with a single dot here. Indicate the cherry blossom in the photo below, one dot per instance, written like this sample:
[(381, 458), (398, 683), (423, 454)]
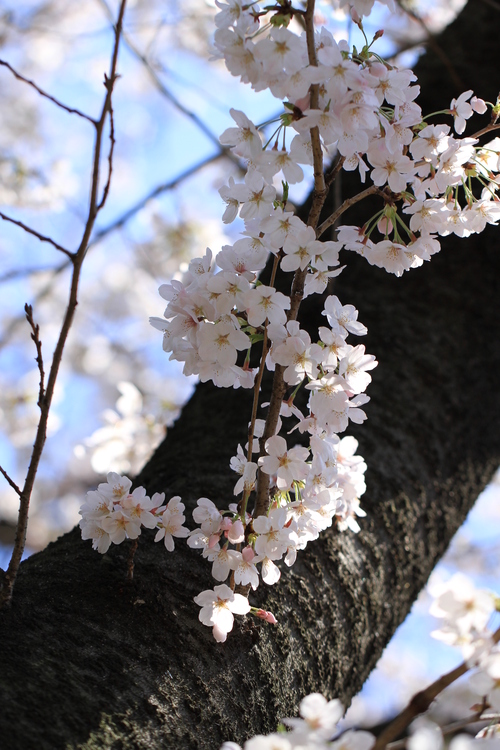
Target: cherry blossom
[(287, 465), (218, 607), (219, 317)]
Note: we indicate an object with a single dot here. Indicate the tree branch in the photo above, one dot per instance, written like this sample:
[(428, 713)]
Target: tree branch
[(158, 190), (36, 234), (77, 260), (335, 216), (168, 94), (10, 481), (70, 110), (35, 335)]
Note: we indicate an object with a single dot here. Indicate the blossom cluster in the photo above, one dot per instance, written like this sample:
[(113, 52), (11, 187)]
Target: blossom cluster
[(336, 101), (112, 514), (319, 724), (367, 114), (308, 496), (466, 614), (313, 731)]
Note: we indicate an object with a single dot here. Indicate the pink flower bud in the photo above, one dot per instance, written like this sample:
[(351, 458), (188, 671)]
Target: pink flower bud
[(267, 616), (236, 532), (226, 524), (355, 16), (378, 34), (247, 554), (478, 105), (385, 225)]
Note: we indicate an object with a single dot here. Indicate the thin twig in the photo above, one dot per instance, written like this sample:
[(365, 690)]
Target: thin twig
[(372, 190), (320, 193), (167, 93), (158, 190), (41, 433), (130, 560), (10, 481), (421, 702), (332, 174), (41, 237), (487, 129), (71, 110), (110, 156), (258, 379), (35, 335), (104, 232), (433, 42), (41, 295)]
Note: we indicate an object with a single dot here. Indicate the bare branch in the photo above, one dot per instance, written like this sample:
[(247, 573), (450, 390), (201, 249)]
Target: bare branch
[(71, 110), (158, 190), (168, 94), (431, 40), (41, 433), (487, 129), (130, 559), (10, 481), (35, 335), (110, 156), (373, 190), (335, 169), (42, 294), (41, 237)]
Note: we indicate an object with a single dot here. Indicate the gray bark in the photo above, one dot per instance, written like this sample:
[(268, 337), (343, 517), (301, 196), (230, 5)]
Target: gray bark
[(89, 660)]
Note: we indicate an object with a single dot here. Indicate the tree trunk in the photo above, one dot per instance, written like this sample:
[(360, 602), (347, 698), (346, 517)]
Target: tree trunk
[(89, 660)]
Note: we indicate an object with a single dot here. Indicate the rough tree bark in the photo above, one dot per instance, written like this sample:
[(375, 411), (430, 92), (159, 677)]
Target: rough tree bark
[(91, 661)]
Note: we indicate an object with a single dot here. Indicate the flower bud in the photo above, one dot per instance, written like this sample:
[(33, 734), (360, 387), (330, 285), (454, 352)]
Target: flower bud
[(267, 616), (236, 533), (247, 554)]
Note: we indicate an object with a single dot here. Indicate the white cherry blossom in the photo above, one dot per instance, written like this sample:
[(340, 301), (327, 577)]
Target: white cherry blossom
[(218, 607)]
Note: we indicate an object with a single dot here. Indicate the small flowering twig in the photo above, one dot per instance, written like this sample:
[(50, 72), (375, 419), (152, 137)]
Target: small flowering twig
[(353, 101), (335, 216), (258, 379), (421, 702), (319, 196)]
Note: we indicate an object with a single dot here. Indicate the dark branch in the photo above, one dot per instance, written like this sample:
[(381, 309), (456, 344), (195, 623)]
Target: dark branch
[(158, 190), (36, 234), (10, 481), (35, 335), (70, 110)]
